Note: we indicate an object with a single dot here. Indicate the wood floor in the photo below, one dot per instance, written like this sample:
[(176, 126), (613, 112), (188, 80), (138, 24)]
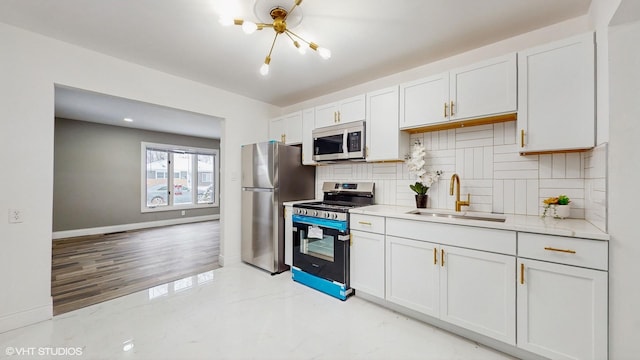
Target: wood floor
[(91, 269)]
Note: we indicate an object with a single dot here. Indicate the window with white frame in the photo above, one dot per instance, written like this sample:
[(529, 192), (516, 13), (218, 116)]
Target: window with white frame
[(194, 183)]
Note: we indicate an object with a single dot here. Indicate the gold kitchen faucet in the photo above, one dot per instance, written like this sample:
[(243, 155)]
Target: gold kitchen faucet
[(455, 179)]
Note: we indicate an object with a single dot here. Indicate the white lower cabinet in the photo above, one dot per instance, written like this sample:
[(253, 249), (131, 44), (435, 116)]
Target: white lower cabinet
[(412, 274), (477, 292), (562, 296), (469, 288), (543, 294), (367, 263)]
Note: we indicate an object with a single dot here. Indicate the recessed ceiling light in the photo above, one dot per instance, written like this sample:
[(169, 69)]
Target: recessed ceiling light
[(128, 119)]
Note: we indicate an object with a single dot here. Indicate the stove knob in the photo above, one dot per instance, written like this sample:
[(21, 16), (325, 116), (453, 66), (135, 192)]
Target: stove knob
[(315, 213), (327, 215), (335, 216), (304, 211)]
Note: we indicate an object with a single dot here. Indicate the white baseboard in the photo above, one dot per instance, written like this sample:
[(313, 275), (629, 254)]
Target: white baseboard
[(27, 317), (126, 227)]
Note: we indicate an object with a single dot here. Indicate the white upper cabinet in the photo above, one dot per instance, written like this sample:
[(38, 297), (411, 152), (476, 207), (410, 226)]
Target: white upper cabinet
[(425, 101), (556, 95), (308, 124), (484, 89), (340, 112), (287, 128), (384, 139), (480, 90)]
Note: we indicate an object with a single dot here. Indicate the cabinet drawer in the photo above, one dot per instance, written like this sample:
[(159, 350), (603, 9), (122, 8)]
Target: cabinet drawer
[(374, 224), (565, 250), (484, 239)]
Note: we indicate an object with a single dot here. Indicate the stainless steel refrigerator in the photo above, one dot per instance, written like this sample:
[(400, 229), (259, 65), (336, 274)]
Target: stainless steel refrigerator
[(271, 174)]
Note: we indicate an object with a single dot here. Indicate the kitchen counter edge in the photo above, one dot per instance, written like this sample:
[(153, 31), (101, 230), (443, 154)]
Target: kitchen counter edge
[(578, 228)]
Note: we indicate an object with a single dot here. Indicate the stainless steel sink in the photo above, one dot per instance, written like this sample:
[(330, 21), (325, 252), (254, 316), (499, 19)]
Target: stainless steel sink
[(465, 215)]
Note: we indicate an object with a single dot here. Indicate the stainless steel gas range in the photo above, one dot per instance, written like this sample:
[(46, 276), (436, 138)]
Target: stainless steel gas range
[(321, 237)]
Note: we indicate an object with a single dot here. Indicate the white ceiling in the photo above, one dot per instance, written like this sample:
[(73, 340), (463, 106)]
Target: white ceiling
[(368, 38), (76, 104)]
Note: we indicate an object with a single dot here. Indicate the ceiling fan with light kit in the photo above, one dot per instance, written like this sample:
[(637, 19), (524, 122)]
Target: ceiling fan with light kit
[(274, 15)]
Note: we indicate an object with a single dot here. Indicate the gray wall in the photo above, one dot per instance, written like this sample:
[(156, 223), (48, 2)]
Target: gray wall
[(97, 175)]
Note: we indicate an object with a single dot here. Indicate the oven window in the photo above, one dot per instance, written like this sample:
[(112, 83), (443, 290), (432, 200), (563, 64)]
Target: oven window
[(317, 244)]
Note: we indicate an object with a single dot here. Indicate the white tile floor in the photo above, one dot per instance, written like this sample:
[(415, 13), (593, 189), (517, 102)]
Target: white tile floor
[(236, 312)]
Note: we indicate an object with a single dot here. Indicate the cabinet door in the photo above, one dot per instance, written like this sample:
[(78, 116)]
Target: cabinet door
[(484, 89), (308, 124), (352, 109), (412, 274), (288, 235), (276, 129), (562, 310), (326, 115), (293, 128), (385, 141), (367, 263), (424, 101), (477, 292), (556, 96)]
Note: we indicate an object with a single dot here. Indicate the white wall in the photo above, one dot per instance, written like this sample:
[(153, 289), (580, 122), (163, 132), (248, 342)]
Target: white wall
[(30, 65), (624, 177)]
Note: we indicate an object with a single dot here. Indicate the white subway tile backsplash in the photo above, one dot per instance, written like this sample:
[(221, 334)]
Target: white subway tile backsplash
[(509, 196), (487, 171), (575, 168), (510, 131), (491, 169), (533, 187), (498, 134), (546, 165), (498, 196), (558, 166)]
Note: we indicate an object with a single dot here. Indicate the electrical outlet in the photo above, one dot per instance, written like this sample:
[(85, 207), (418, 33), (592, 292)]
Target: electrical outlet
[(16, 216), (183, 212)]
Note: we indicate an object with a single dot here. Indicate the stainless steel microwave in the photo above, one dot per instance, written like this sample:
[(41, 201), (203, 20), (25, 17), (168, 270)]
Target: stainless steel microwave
[(339, 142)]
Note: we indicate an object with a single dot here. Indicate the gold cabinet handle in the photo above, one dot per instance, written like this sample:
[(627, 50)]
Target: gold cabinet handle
[(335, 117), (435, 256), (339, 116), (364, 223), (522, 138), (445, 109), (451, 107), (560, 250), (521, 273), (442, 257)]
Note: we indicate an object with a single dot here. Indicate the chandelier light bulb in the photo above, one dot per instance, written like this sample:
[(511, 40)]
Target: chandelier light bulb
[(249, 27), (324, 53), (301, 49), (264, 70)]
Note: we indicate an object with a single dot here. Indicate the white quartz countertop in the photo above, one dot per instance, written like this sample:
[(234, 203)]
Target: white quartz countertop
[(535, 224)]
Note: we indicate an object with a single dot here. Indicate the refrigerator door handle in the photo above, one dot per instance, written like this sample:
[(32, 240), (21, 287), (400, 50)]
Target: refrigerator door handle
[(345, 149), (258, 189)]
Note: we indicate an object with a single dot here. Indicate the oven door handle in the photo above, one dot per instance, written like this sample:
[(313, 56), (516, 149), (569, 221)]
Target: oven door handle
[(326, 223)]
